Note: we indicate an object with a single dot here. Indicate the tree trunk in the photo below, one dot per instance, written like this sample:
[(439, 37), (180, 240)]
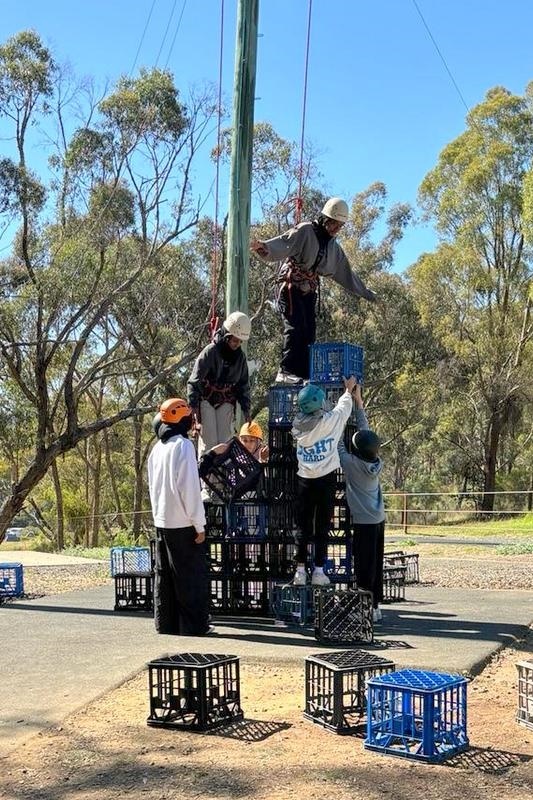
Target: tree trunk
[(19, 492), (139, 483), (60, 515), (113, 481), (97, 493), (489, 470)]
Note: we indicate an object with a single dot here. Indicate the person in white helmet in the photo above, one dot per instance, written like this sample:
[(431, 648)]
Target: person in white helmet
[(219, 380), (308, 251)]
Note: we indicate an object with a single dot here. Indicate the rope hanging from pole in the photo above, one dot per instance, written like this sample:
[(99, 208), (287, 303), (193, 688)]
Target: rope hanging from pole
[(213, 318), (299, 198)]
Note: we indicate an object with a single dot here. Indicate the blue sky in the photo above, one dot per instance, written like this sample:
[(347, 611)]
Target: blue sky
[(381, 105)]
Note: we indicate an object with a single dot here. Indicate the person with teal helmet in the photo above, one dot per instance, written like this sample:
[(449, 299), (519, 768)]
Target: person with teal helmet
[(317, 433)]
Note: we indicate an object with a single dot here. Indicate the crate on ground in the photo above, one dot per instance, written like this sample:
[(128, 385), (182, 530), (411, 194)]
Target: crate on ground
[(194, 691), (343, 616), (282, 404), (408, 560), (524, 714), (293, 605), (394, 583), (134, 592), (11, 579), (246, 520), (333, 361), (417, 714), (130, 560), (233, 473), (335, 687)]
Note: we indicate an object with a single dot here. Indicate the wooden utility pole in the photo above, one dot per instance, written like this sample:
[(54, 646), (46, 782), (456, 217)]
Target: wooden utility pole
[(238, 257)]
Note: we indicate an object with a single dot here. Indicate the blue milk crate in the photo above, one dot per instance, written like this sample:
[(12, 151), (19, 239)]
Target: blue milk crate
[(11, 580), (333, 361), (246, 521), (417, 714), (130, 560), (339, 561), (293, 605), (282, 404)]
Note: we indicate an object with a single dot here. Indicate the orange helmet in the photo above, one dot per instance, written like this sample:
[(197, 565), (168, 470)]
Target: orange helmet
[(251, 429), (174, 410)]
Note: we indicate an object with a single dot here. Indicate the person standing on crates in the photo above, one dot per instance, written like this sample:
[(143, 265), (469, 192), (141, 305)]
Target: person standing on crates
[(219, 380), (362, 470), (308, 251), (181, 587), (317, 433)]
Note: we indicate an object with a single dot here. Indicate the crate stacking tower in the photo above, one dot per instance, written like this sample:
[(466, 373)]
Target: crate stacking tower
[(252, 541)]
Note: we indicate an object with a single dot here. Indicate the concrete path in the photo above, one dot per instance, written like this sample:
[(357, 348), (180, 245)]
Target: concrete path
[(61, 652), (33, 558)]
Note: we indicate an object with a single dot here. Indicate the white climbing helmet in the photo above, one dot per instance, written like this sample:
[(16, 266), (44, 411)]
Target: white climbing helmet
[(335, 208), (239, 325)]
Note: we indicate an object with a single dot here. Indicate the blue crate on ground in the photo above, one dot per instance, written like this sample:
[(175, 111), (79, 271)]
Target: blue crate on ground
[(293, 605), (130, 560), (11, 579), (246, 521), (333, 361), (417, 714), (282, 404)]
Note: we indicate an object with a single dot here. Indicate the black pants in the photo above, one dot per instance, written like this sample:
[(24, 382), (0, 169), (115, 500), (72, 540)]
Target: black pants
[(181, 591), (299, 330), (369, 543), (314, 510)]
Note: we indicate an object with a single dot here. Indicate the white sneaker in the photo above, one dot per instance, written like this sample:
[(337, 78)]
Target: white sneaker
[(287, 377), (319, 578), (377, 616), (300, 578)]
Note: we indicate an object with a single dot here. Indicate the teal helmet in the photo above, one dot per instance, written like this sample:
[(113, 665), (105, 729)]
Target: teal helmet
[(311, 398)]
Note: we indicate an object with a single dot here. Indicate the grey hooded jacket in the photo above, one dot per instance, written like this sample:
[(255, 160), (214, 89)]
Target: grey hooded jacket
[(363, 489), (211, 368), (301, 245)]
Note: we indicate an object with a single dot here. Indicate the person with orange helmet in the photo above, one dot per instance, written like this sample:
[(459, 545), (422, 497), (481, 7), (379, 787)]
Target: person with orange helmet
[(181, 589), (307, 252), (251, 437), (219, 380)]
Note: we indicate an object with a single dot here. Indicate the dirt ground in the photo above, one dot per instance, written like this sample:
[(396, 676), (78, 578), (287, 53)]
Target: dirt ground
[(107, 751)]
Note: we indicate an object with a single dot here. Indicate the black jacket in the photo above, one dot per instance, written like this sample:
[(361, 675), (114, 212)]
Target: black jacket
[(219, 375)]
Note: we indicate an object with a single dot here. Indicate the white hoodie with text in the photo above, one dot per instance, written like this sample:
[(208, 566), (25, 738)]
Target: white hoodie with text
[(317, 437)]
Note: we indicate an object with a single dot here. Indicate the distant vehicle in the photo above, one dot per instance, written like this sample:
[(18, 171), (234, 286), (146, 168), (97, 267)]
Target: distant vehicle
[(13, 534)]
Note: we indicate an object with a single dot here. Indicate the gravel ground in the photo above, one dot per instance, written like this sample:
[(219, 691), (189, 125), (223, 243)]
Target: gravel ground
[(502, 572)]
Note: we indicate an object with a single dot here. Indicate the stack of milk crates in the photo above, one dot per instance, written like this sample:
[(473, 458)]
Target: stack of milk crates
[(132, 571)]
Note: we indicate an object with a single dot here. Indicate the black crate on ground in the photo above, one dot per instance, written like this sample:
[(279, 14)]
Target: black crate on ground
[(293, 605), (280, 482), (281, 445), (215, 519), (394, 584), (233, 472), (343, 616), (524, 714), (397, 558), (335, 685), (134, 592), (194, 691), (246, 520)]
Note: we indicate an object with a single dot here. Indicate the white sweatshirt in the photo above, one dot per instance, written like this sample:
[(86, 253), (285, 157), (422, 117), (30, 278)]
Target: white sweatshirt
[(174, 485), (317, 437)]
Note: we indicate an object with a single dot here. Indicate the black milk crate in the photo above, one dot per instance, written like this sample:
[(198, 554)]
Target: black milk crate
[(282, 523), (333, 393), (282, 560), (246, 520), (194, 691), (340, 521), (292, 604), (343, 616), (11, 579), (133, 592), (394, 584), (247, 559), (282, 404), (239, 596), (408, 560), (217, 557), (524, 714), (130, 561), (332, 361), (281, 445), (340, 484), (233, 472), (339, 560), (280, 482), (215, 519), (335, 687)]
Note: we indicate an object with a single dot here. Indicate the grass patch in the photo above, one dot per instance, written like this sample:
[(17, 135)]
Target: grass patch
[(513, 527), (518, 549), (100, 553)]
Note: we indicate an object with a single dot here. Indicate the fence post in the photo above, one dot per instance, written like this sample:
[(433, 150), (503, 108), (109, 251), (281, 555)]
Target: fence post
[(404, 513)]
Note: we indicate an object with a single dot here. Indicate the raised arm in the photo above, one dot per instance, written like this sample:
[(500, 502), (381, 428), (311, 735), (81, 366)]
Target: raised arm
[(338, 267)]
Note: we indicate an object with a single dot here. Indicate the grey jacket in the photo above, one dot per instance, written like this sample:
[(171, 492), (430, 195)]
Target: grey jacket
[(301, 245), (363, 489), (212, 372)]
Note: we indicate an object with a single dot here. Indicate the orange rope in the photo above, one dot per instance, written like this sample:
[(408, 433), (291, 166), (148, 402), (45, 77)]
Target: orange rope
[(299, 199), (213, 318)]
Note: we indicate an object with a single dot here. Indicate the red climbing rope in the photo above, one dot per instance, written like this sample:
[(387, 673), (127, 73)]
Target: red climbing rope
[(299, 199), (213, 318)]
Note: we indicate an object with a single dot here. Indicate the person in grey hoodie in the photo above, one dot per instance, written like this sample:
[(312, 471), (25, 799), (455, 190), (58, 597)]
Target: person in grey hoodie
[(362, 470), (307, 252), (317, 433)]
